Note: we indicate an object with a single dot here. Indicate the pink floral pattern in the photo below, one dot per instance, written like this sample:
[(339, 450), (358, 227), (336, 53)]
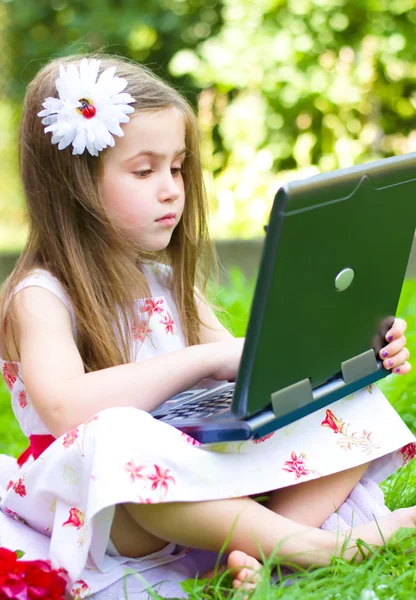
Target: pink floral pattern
[(169, 324), (70, 438), (141, 331), (298, 466), (145, 500), (152, 306), (347, 440), (10, 371), (20, 488), (263, 438), (91, 420), (77, 435), (161, 478), (337, 425), (80, 590), (76, 519), (22, 398), (190, 439), (408, 452), (12, 514), (134, 471)]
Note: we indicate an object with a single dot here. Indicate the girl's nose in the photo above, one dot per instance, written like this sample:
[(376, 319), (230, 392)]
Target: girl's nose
[(170, 189)]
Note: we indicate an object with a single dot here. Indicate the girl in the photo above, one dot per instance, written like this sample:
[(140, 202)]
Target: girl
[(102, 322)]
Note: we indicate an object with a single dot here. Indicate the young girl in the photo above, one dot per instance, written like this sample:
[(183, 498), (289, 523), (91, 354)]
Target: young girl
[(102, 322)]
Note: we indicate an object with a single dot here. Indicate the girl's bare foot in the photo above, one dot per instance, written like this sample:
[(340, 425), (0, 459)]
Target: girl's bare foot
[(245, 570)]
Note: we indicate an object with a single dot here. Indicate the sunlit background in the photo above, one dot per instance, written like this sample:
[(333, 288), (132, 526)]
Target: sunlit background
[(283, 89)]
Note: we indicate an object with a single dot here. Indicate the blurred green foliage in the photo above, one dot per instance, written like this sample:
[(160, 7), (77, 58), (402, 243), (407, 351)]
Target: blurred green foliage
[(283, 89)]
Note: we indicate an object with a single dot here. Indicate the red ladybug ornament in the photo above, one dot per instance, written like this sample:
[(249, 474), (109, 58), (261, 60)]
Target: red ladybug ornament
[(87, 109)]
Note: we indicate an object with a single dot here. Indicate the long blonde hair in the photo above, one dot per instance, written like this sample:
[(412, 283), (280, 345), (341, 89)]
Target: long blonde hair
[(71, 235)]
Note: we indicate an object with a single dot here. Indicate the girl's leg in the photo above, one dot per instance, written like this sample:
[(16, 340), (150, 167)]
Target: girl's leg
[(312, 502), (256, 530), (309, 503), (129, 538)]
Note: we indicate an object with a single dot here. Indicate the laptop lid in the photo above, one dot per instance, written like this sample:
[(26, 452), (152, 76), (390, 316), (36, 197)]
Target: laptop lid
[(330, 277)]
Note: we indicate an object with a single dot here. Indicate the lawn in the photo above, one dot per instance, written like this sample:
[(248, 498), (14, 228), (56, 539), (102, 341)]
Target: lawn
[(390, 572)]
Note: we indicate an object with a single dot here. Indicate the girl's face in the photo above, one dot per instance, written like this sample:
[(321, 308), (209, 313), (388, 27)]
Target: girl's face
[(141, 180)]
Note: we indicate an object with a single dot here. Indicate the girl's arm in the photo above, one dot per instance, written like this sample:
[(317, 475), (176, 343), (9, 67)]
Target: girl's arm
[(64, 395)]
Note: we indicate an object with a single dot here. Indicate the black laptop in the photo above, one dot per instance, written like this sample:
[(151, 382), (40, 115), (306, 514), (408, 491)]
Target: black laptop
[(331, 272)]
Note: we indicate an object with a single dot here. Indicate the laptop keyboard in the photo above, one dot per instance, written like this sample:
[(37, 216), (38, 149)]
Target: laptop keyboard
[(204, 407)]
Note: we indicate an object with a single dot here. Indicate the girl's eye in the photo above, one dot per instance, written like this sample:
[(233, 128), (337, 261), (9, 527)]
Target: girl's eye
[(176, 170), (144, 173)]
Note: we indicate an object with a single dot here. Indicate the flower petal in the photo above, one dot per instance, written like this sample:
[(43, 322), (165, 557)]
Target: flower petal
[(67, 139), (106, 77), (121, 99), (80, 142)]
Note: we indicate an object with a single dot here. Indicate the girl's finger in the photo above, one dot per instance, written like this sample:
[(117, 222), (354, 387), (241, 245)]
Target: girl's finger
[(393, 348), (403, 369), (397, 360), (397, 330)]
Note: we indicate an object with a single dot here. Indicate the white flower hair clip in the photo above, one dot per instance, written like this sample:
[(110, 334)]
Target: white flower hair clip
[(88, 111)]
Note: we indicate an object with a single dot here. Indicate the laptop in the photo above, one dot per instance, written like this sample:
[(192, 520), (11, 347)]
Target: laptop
[(329, 281)]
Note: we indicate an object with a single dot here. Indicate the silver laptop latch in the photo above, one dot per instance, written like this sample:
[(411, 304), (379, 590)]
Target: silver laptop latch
[(358, 367), (292, 397)]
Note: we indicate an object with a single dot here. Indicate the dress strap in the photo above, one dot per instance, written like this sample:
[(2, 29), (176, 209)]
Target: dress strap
[(45, 279)]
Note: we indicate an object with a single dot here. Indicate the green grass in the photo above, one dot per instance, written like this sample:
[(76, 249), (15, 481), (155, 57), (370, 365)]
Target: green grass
[(12, 440), (389, 572)]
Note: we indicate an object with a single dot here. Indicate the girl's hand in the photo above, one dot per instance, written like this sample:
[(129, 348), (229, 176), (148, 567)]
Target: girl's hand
[(395, 355), (227, 358)]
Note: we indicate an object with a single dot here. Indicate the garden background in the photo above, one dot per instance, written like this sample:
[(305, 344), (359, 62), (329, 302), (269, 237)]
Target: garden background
[(283, 90)]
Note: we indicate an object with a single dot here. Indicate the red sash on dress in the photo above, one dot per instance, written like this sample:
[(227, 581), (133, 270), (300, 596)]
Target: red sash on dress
[(38, 444)]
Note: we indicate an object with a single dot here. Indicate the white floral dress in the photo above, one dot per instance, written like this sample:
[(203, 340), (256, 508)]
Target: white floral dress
[(70, 490)]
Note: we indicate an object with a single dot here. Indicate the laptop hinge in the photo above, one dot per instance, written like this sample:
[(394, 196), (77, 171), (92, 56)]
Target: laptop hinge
[(358, 367), (300, 394), (292, 397)]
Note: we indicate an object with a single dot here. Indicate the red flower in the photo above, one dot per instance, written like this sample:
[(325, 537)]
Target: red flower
[(152, 306), (133, 470), (337, 425), (19, 487), (168, 322), (10, 484), (408, 452), (296, 465), (29, 579), (10, 372), (70, 438), (161, 478), (22, 398), (264, 438), (76, 518)]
